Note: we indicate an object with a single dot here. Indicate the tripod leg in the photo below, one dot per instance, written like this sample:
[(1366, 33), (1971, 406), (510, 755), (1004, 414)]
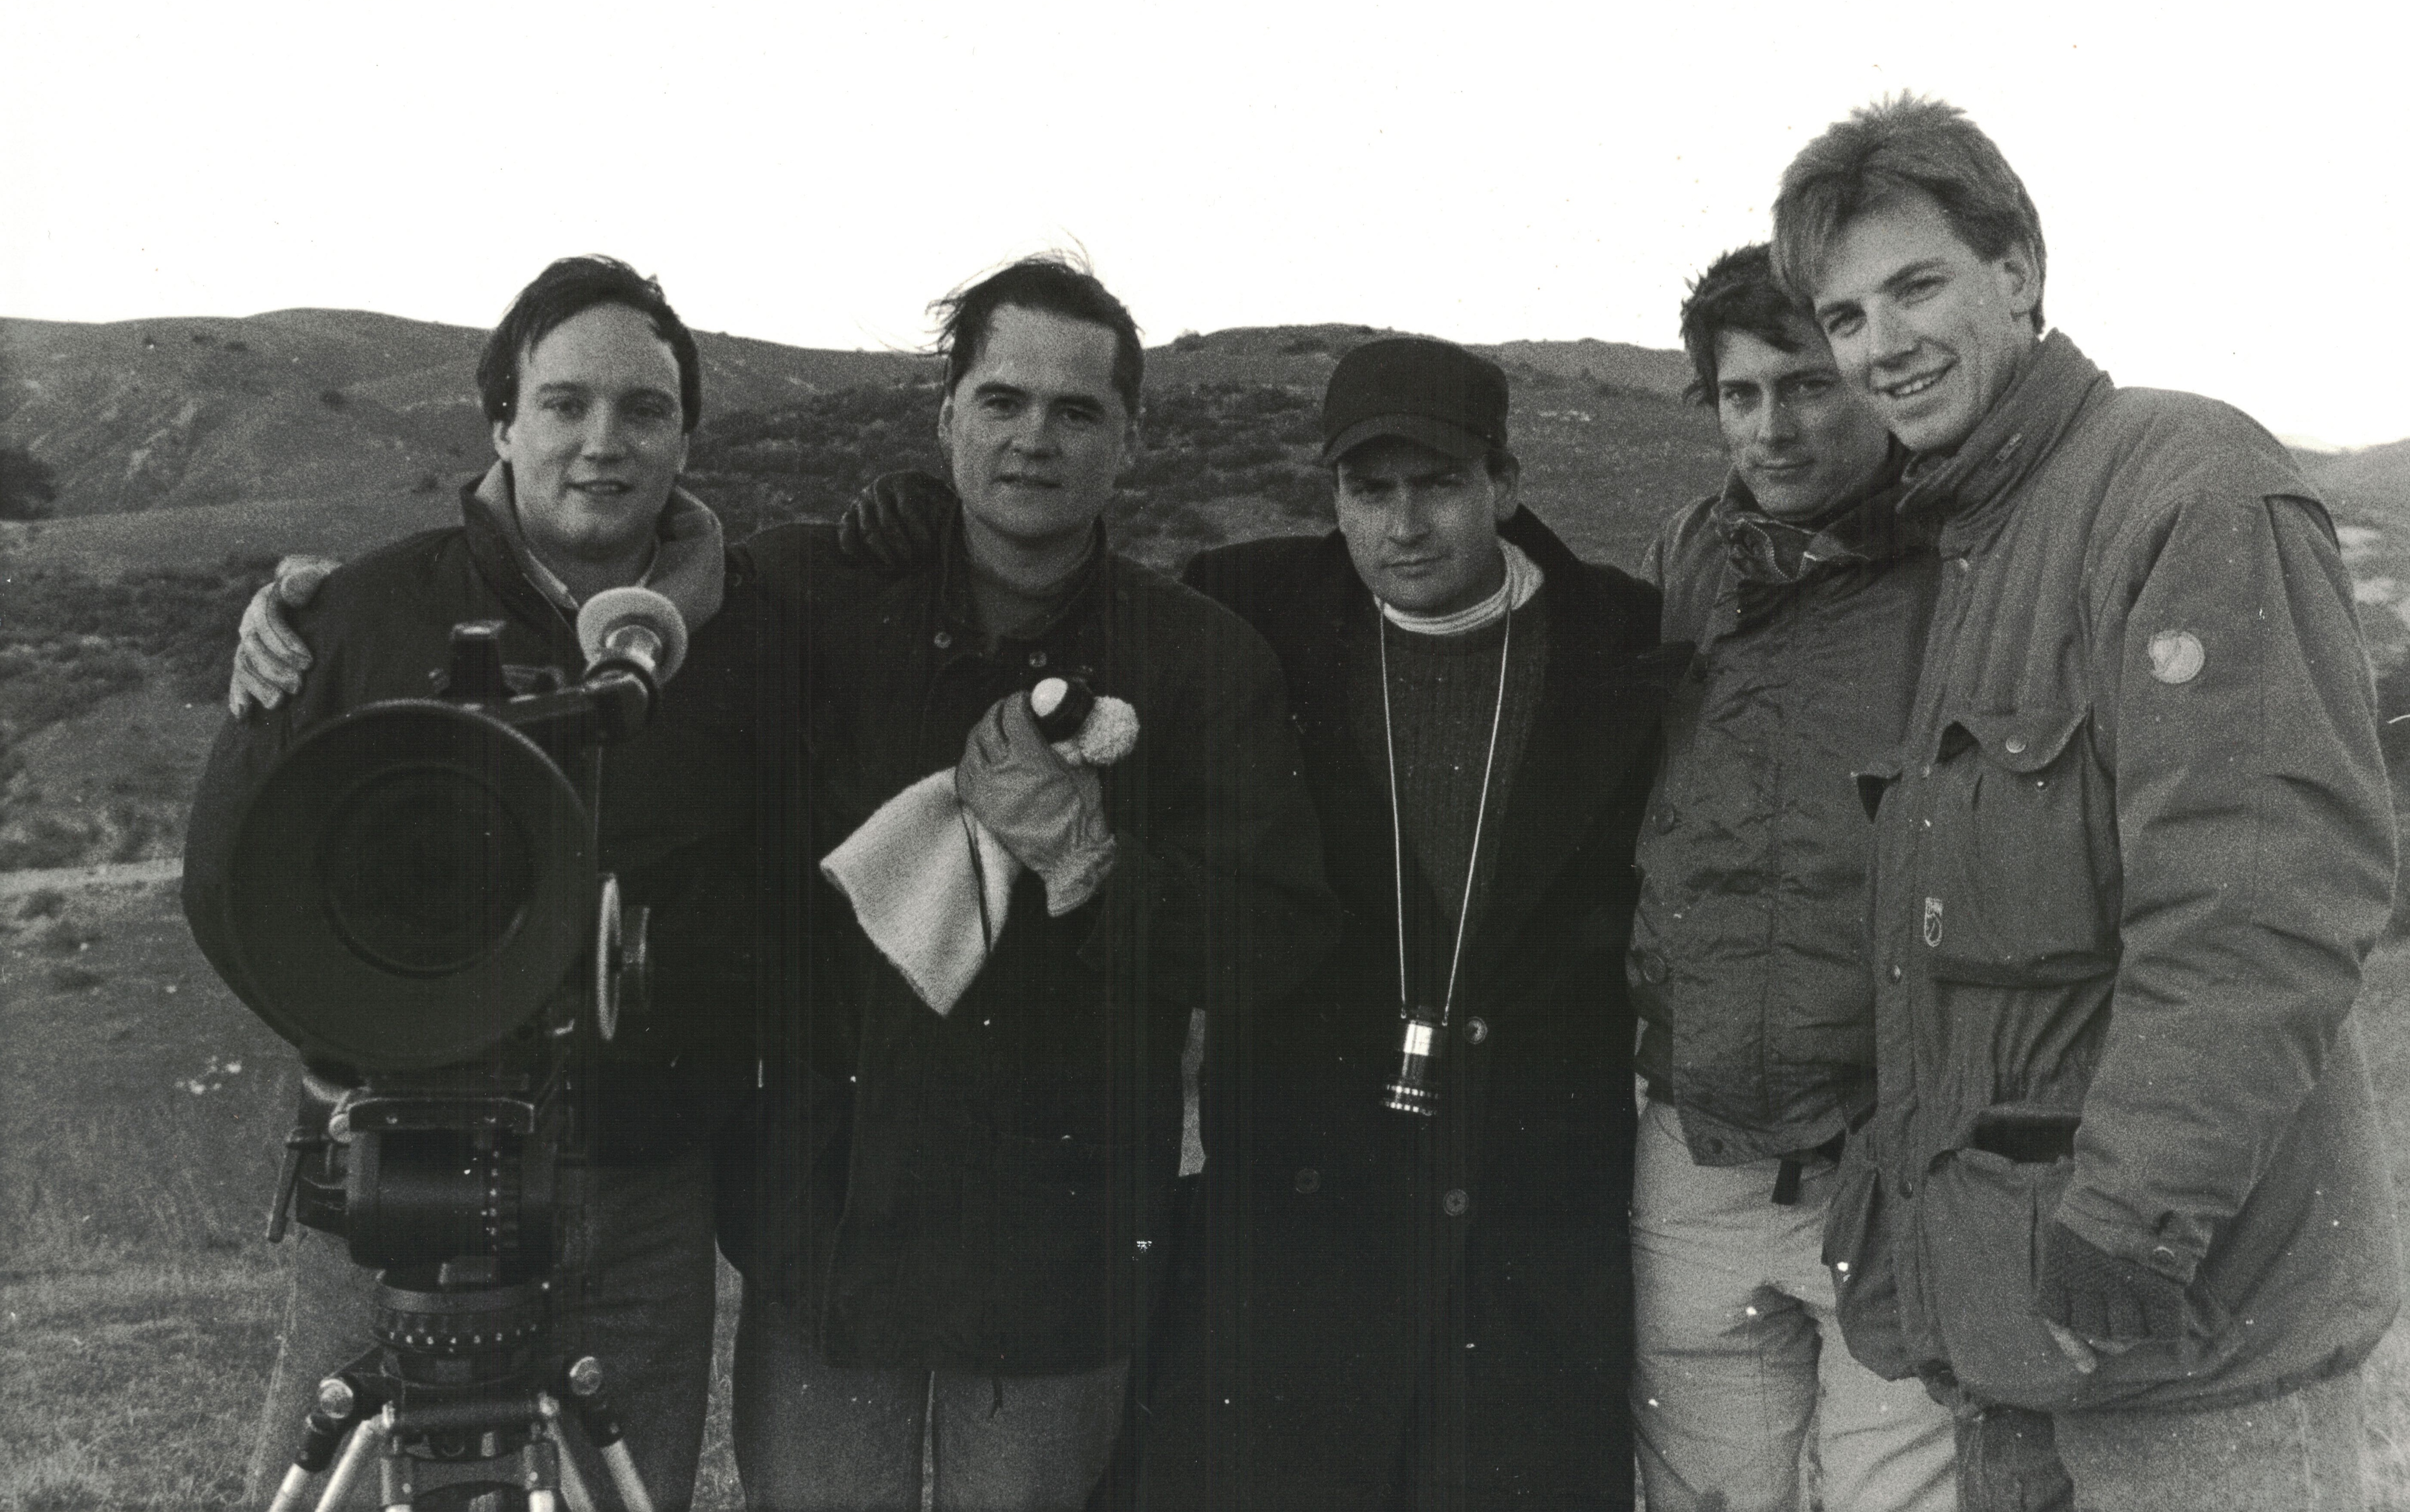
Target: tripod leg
[(290, 1493), (603, 1431), (367, 1439), (623, 1475), (544, 1462), (572, 1480), (394, 1469)]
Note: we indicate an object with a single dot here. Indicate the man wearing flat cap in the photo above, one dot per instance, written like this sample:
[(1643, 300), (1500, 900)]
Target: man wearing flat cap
[(1409, 1283)]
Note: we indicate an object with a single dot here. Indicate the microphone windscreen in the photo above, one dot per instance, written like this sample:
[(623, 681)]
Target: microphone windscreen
[(618, 609)]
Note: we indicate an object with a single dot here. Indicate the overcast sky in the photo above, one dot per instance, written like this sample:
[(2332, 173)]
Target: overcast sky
[(2224, 203)]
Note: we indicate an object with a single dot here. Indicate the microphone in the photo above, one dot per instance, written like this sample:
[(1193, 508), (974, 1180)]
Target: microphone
[(632, 625)]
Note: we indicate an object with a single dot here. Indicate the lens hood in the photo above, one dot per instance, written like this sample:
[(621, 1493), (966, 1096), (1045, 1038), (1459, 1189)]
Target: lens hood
[(412, 882)]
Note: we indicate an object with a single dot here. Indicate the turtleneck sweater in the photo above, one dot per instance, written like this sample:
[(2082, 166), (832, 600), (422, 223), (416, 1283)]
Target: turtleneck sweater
[(1442, 697)]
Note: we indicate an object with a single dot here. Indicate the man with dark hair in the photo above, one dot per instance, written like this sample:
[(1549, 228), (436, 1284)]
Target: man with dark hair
[(2123, 1187), (1409, 1286), (1807, 597), (1403, 1280), (951, 1217), (592, 386)]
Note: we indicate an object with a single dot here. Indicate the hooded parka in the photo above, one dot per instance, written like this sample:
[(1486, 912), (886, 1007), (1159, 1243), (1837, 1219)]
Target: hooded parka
[(2128, 860)]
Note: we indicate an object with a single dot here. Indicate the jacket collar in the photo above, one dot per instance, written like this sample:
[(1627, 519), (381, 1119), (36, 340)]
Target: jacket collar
[(1598, 712), (959, 610), (1973, 488), (1864, 528), (689, 565)]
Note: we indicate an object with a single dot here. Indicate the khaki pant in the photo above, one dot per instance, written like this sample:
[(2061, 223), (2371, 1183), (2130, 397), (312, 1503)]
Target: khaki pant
[(2299, 1452), (1740, 1369)]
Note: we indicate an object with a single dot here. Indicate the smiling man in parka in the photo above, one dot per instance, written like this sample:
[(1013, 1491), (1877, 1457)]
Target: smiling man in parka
[(2122, 1187)]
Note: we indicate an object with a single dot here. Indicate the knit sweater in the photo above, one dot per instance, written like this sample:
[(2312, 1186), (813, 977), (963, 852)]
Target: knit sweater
[(1443, 701)]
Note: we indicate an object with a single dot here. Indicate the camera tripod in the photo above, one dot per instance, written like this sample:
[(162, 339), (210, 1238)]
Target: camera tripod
[(453, 1381)]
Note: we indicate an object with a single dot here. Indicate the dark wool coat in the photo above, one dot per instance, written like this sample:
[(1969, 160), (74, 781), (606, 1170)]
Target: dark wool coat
[(679, 815), (990, 1190), (1378, 1307), (1748, 959), (2128, 862)]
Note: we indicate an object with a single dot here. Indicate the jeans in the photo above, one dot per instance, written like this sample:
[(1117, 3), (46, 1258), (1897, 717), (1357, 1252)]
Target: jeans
[(1740, 1359), (2299, 1452), (811, 1435), (642, 1306)]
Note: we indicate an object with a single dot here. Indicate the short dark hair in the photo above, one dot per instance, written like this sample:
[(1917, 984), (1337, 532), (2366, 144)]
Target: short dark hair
[(1902, 142), (565, 291), (1057, 283), (1738, 292)]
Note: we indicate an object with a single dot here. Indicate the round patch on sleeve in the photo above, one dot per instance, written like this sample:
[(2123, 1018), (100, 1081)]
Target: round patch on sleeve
[(2176, 656)]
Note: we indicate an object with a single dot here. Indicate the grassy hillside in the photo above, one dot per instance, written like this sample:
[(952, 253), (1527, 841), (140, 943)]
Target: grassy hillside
[(327, 404), (1231, 436), (346, 406)]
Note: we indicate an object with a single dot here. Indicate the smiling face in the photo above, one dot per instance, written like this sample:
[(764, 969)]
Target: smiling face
[(1799, 439), (1931, 332), (1034, 431), (1422, 526), (596, 437)]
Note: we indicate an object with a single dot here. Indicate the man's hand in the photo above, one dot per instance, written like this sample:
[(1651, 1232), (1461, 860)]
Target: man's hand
[(896, 523), (1048, 813), (2096, 1303), (269, 659)]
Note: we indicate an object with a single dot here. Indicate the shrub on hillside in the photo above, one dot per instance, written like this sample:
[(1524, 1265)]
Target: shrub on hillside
[(28, 487), (71, 638), (1202, 445)]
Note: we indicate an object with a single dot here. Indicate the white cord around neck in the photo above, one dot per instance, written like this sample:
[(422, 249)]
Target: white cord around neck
[(1480, 813)]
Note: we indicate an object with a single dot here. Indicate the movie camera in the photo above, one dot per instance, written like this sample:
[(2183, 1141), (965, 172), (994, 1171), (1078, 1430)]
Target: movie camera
[(413, 894)]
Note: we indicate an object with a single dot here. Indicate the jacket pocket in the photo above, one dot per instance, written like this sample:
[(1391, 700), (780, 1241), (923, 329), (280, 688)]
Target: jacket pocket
[(1865, 1279), (2019, 879), (1979, 1220)]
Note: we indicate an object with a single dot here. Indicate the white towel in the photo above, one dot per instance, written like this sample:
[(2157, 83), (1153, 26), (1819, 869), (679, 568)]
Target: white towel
[(910, 874), (916, 870)]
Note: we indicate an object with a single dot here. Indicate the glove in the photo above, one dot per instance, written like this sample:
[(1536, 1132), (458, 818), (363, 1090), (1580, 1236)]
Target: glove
[(269, 659), (2099, 1297), (895, 523), (1049, 812)]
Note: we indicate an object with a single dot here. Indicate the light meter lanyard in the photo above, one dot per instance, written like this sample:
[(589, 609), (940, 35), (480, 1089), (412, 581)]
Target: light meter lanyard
[(1397, 823)]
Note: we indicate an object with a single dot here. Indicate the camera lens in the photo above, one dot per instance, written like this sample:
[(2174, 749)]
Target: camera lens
[(424, 871)]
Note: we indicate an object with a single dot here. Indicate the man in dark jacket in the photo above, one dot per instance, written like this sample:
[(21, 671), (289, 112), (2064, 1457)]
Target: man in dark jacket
[(1403, 1283), (1806, 598), (951, 1219), (1409, 1285), (592, 384), (2123, 1184)]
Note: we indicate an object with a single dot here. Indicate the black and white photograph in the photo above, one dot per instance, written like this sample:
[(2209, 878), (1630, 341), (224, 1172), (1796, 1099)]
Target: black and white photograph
[(1258, 758)]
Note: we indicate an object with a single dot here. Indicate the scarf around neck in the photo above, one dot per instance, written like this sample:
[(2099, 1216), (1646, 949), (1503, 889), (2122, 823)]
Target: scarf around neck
[(689, 563)]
